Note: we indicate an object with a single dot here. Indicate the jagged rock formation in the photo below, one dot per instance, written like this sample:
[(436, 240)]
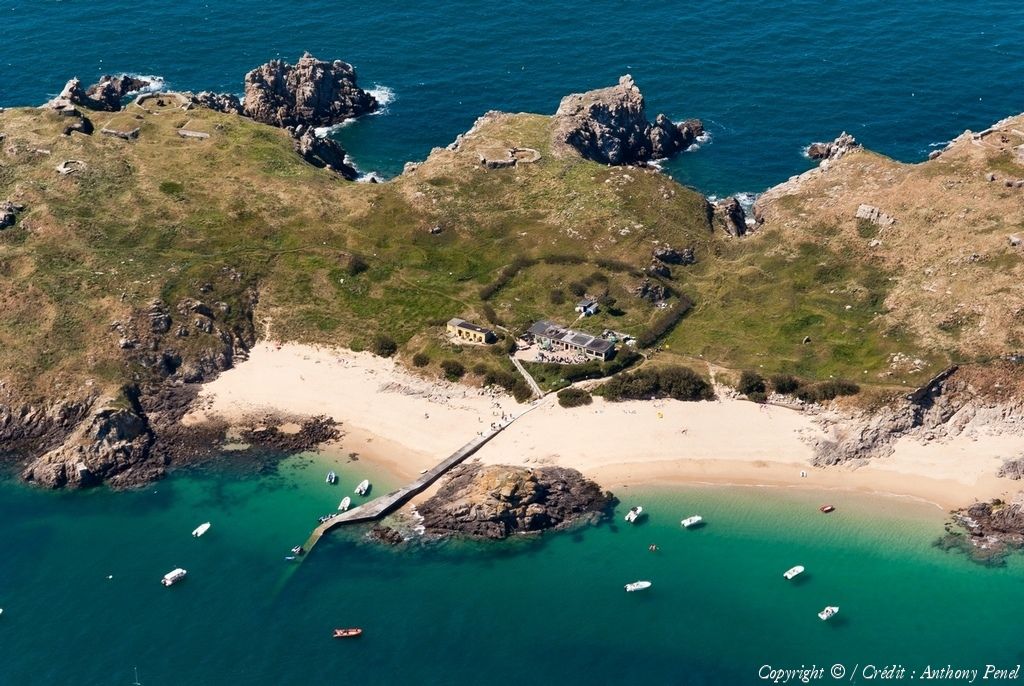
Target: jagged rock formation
[(733, 217), (109, 91), (322, 152), (610, 125), (496, 501), (312, 432), (843, 144), (310, 92), (994, 528), (650, 291), (106, 95), (219, 102), (1012, 469), (670, 255)]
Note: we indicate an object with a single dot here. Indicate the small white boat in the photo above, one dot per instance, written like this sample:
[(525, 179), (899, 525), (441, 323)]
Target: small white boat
[(174, 576), (345, 502), (633, 513), (332, 478), (201, 529), (637, 586), (692, 521), (793, 572), (363, 488), (829, 612)]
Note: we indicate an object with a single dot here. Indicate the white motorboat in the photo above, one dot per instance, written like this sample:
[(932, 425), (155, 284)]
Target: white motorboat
[(174, 576), (344, 504), (201, 529), (363, 488), (829, 612), (633, 513), (691, 522), (332, 478), (637, 586), (793, 572)]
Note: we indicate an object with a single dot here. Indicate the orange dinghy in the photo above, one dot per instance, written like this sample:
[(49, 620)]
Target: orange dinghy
[(348, 633)]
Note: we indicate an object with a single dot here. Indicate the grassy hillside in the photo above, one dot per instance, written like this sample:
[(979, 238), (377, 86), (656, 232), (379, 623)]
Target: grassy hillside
[(338, 262)]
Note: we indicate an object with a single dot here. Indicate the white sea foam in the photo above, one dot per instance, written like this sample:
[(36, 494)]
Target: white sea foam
[(701, 140), (370, 177), (940, 144), (324, 131), (384, 97)]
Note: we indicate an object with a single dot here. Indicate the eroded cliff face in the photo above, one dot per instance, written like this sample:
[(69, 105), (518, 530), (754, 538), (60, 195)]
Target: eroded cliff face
[(311, 92), (610, 125), (497, 501)]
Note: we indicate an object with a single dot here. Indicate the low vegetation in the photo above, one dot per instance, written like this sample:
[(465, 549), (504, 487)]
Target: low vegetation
[(676, 382), (550, 376), (574, 397)]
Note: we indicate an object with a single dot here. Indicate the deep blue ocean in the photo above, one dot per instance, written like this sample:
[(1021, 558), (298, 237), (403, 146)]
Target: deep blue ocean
[(766, 78)]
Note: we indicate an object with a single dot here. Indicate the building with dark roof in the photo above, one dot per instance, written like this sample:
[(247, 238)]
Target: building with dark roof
[(468, 331), (551, 336)]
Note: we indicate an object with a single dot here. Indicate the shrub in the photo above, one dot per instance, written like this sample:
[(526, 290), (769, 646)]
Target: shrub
[(578, 289), (785, 383), (490, 314), (420, 359), (453, 370), (751, 382), (826, 390), (573, 397), (556, 296), (664, 323), (505, 276), (384, 346), (480, 368), (758, 396), (356, 264), (677, 382)]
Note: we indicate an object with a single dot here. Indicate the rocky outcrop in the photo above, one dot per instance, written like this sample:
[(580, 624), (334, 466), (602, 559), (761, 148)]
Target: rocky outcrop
[(733, 217), (9, 212), (650, 291), (993, 529), (610, 125), (310, 92), (670, 255), (110, 91), (112, 442), (218, 102), (310, 434), (1012, 469), (322, 152), (496, 502), (843, 144), (106, 95)]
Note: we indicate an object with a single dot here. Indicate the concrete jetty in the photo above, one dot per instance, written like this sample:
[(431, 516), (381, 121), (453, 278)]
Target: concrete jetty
[(386, 504)]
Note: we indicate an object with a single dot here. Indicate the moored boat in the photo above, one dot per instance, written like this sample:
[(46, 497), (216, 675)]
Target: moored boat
[(174, 576), (348, 633), (363, 488), (633, 513), (637, 586), (829, 612), (332, 478), (827, 508), (344, 504), (693, 521), (297, 550), (201, 529), (793, 572)]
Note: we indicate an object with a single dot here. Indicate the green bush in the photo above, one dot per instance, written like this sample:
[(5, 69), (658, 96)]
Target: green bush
[(826, 390), (556, 296), (664, 323), (453, 370), (785, 383), (490, 314), (420, 359), (578, 289), (758, 396), (356, 264), (573, 397), (677, 382), (505, 276), (383, 346), (480, 369), (751, 382)]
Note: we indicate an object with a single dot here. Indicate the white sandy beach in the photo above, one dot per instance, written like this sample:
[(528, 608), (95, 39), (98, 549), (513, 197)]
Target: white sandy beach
[(408, 424)]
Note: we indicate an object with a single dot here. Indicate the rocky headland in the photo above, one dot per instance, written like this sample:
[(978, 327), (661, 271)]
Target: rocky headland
[(610, 125), (495, 502)]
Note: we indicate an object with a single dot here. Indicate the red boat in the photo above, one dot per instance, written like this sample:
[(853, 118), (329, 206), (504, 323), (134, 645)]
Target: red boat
[(827, 508), (348, 633)]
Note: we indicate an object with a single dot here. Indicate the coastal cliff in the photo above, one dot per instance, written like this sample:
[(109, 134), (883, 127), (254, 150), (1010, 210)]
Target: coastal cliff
[(496, 502)]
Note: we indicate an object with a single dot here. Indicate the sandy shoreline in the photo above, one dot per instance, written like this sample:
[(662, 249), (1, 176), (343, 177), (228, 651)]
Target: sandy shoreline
[(407, 424)]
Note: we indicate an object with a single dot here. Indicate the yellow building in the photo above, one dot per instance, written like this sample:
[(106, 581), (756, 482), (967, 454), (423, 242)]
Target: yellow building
[(467, 331)]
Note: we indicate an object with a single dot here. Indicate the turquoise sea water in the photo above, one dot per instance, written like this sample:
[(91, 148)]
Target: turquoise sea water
[(766, 78), (548, 611)]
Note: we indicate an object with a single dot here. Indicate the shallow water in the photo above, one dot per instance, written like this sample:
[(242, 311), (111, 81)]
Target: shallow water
[(551, 610)]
